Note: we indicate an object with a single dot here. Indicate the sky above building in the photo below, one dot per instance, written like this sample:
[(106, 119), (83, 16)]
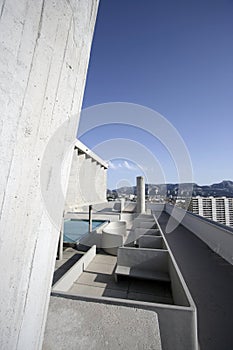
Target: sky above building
[(176, 58)]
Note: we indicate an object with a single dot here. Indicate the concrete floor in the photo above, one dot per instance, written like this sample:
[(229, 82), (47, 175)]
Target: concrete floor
[(98, 281), (210, 282)]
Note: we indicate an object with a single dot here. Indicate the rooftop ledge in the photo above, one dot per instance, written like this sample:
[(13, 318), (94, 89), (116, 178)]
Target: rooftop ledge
[(217, 236)]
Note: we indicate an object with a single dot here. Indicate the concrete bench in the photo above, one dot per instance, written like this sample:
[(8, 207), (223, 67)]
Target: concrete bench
[(143, 263)]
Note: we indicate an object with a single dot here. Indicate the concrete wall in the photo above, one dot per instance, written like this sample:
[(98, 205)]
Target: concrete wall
[(143, 259), (149, 241), (113, 236), (45, 47), (218, 237), (66, 281), (182, 318), (88, 179)]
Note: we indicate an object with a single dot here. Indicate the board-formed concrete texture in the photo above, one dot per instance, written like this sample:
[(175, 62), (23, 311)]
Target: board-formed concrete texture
[(45, 47), (97, 326)]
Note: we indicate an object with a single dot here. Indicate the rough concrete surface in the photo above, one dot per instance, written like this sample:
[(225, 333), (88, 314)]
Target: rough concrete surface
[(44, 53), (75, 324)]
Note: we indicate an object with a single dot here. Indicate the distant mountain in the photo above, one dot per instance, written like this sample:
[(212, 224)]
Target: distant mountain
[(224, 188)]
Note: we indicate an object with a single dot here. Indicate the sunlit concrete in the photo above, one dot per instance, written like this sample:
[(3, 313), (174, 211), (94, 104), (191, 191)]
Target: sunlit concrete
[(88, 179), (91, 325), (45, 48)]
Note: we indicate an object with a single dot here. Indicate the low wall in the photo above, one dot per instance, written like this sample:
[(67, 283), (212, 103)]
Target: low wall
[(176, 323), (149, 241), (144, 224), (218, 237), (183, 317), (144, 259), (145, 231), (66, 281)]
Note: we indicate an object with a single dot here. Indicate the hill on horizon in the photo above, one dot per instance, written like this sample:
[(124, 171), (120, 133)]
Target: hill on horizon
[(222, 189)]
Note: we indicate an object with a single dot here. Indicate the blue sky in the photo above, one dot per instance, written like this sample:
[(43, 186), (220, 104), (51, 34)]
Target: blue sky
[(175, 57)]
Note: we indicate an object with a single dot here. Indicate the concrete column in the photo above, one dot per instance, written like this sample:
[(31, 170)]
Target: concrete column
[(90, 218), (61, 240), (140, 194), (44, 48)]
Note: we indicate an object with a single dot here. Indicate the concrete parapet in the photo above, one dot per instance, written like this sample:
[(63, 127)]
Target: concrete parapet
[(218, 237), (66, 281), (92, 325)]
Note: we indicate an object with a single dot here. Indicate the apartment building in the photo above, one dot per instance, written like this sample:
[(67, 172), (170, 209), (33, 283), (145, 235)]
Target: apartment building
[(218, 209)]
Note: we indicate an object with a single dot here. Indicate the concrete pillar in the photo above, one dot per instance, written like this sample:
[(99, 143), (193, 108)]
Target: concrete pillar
[(60, 246), (44, 53), (90, 218), (140, 194)]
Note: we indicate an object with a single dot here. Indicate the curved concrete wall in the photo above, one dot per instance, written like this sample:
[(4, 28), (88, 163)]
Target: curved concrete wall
[(113, 236), (216, 236)]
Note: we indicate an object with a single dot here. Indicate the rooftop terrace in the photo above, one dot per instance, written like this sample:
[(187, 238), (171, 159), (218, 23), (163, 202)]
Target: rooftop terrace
[(207, 275)]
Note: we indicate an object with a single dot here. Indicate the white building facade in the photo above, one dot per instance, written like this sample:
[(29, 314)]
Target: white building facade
[(218, 209)]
